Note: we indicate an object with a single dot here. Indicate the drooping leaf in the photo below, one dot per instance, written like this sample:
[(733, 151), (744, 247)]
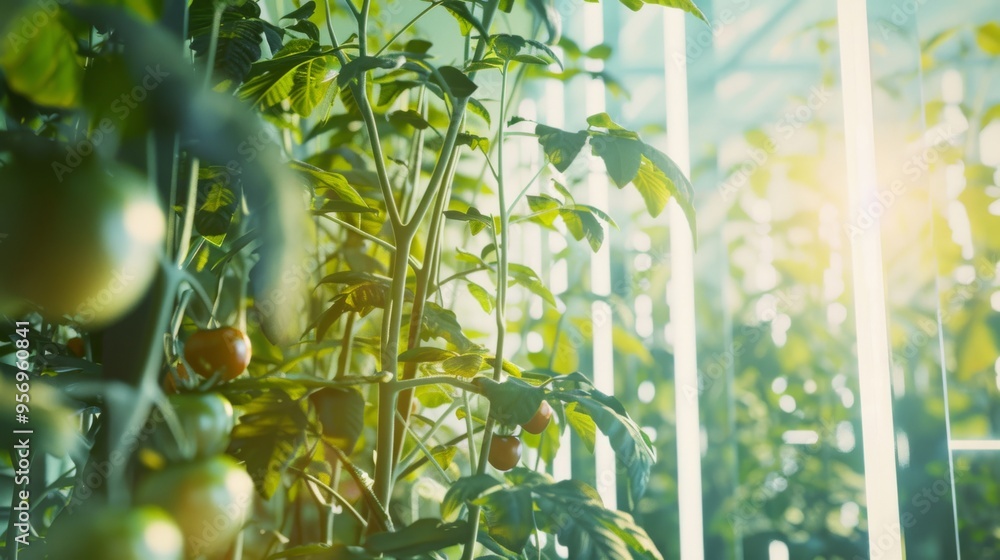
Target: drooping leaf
[(456, 82), (216, 201), (686, 5), (560, 147), (632, 447), (528, 278), (486, 300), (665, 175), (443, 323), (512, 401), (466, 21), (583, 425), (477, 220), (408, 117), (465, 490), (509, 517), (477, 108), (622, 156), (305, 11), (573, 512)]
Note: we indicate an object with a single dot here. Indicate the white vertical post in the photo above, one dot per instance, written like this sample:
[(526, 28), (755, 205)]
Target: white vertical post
[(884, 538), (681, 299), (600, 271)]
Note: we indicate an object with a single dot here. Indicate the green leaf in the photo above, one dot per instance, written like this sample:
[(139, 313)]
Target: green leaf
[(424, 354), (420, 537), (303, 12), (477, 221), (409, 117), (513, 401), (686, 5), (362, 64), (632, 446), (307, 28), (457, 82), (574, 513), (603, 120), (465, 365), (509, 517), (560, 147), (333, 186), (666, 176), (988, 38), (622, 156), (545, 208), (216, 202), (311, 83), (465, 490), (583, 425), (528, 278), (485, 299), (43, 67), (477, 108), (532, 59), (507, 46), (466, 21), (599, 52), (580, 224), (443, 323)]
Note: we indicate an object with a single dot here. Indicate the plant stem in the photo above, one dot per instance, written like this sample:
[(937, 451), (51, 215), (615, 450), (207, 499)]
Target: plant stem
[(501, 312), (407, 26), (380, 242)]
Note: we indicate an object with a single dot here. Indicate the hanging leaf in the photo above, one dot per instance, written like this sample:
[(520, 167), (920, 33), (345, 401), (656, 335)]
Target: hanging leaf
[(632, 447), (44, 66), (525, 276), (216, 201), (466, 21), (465, 490), (509, 517), (583, 425), (456, 82), (622, 156), (361, 64), (573, 512), (408, 117), (477, 108), (513, 401), (560, 147), (486, 300), (303, 12), (477, 221)]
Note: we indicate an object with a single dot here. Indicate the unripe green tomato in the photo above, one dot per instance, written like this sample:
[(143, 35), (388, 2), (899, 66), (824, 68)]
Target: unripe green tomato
[(210, 499), (85, 244), (206, 420), (142, 533)]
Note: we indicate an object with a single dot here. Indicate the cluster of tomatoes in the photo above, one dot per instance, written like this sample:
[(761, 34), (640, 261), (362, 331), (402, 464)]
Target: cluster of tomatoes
[(198, 500), (505, 450)]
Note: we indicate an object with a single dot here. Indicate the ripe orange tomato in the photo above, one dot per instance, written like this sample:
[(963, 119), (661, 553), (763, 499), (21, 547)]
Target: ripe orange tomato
[(224, 350), (505, 452), (540, 420)]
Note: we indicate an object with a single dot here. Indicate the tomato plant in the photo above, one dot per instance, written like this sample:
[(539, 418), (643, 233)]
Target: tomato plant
[(305, 189)]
